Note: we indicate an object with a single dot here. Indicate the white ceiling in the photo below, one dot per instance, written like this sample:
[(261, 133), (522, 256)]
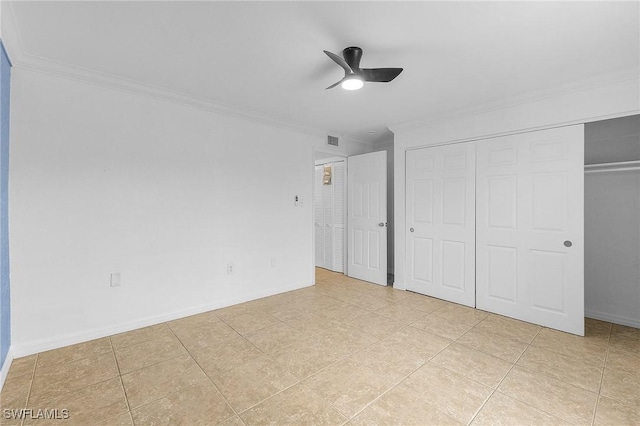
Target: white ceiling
[(265, 58)]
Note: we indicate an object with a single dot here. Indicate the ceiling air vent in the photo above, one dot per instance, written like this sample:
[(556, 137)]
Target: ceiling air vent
[(332, 140)]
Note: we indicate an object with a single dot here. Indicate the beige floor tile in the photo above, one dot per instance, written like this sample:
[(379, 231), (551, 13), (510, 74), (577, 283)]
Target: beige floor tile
[(401, 314), (140, 335), (455, 395), (251, 321), (294, 406), (233, 421), (122, 420), (195, 321), (15, 392), (500, 410), (422, 303), (376, 325), (597, 328), (508, 327), (231, 353), (568, 402), (439, 326), (313, 323), (581, 373), (345, 339), (625, 338), (420, 343), (253, 382), (154, 382), (74, 352), (458, 314), (401, 353), (212, 334), (304, 358), (476, 365), (198, 404), (52, 380), (614, 413), (591, 349), (344, 312), (275, 336), (23, 366), (147, 353), (86, 406), (350, 387), (368, 302), (402, 406), (621, 385), (493, 344), (620, 359)]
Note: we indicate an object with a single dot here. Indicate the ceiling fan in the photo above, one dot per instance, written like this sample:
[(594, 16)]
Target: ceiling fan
[(354, 76)]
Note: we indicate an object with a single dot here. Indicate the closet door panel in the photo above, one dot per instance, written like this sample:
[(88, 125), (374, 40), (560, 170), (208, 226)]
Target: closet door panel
[(530, 219), (441, 222)]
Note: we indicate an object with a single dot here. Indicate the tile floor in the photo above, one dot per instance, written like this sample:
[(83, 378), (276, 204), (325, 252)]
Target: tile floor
[(342, 351)]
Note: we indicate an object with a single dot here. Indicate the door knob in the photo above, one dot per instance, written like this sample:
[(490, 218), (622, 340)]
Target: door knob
[(381, 224), (411, 229), (568, 243)]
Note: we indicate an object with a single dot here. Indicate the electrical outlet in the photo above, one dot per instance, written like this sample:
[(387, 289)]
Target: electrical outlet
[(115, 279), (230, 268)]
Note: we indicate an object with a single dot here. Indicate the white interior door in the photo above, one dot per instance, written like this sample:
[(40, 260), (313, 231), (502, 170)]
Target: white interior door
[(440, 222), (530, 227), (367, 217)]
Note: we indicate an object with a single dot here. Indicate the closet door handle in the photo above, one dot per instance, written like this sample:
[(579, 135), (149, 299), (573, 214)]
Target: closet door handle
[(411, 229), (568, 243), (381, 224)]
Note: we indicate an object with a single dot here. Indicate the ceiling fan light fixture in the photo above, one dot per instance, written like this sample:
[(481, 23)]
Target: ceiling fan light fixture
[(352, 83)]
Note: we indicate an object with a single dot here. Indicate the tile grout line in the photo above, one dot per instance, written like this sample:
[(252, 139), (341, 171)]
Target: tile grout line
[(604, 366), (124, 390), (504, 377), (209, 378), (33, 376)]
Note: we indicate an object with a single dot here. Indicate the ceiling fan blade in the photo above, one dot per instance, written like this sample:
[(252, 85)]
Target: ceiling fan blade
[(338, 60), (334, 84), (380, 75)]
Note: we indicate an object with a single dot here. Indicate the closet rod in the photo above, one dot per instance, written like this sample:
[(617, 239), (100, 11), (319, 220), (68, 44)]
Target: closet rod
[(617, 169), (619, 166), (614, 164)]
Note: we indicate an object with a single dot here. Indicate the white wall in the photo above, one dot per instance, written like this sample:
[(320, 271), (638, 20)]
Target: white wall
[(105, 181), (615, 99)]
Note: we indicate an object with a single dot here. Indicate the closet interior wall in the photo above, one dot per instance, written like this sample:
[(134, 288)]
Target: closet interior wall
[(612, 220)]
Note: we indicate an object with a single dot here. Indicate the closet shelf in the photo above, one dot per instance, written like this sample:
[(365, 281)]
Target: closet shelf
[(619, 166)]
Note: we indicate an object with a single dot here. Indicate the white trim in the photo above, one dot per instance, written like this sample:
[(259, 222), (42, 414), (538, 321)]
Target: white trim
[(4, 371), (616, 319), (29, 348)]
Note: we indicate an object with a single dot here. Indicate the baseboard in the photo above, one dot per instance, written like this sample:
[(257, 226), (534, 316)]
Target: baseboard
[(616, 319), (4, 371), (21, 349)]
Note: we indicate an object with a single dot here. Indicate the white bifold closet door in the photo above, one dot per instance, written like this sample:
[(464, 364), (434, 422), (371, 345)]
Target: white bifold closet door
[(530, 227), (329, 210), (440, 234)]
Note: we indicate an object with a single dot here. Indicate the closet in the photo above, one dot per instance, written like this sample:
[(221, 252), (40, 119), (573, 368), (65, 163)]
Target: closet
[(498, 224), (330, 215), (612, 220)]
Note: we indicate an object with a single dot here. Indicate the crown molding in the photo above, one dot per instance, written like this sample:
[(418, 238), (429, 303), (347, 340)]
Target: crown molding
[(602, 80)]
